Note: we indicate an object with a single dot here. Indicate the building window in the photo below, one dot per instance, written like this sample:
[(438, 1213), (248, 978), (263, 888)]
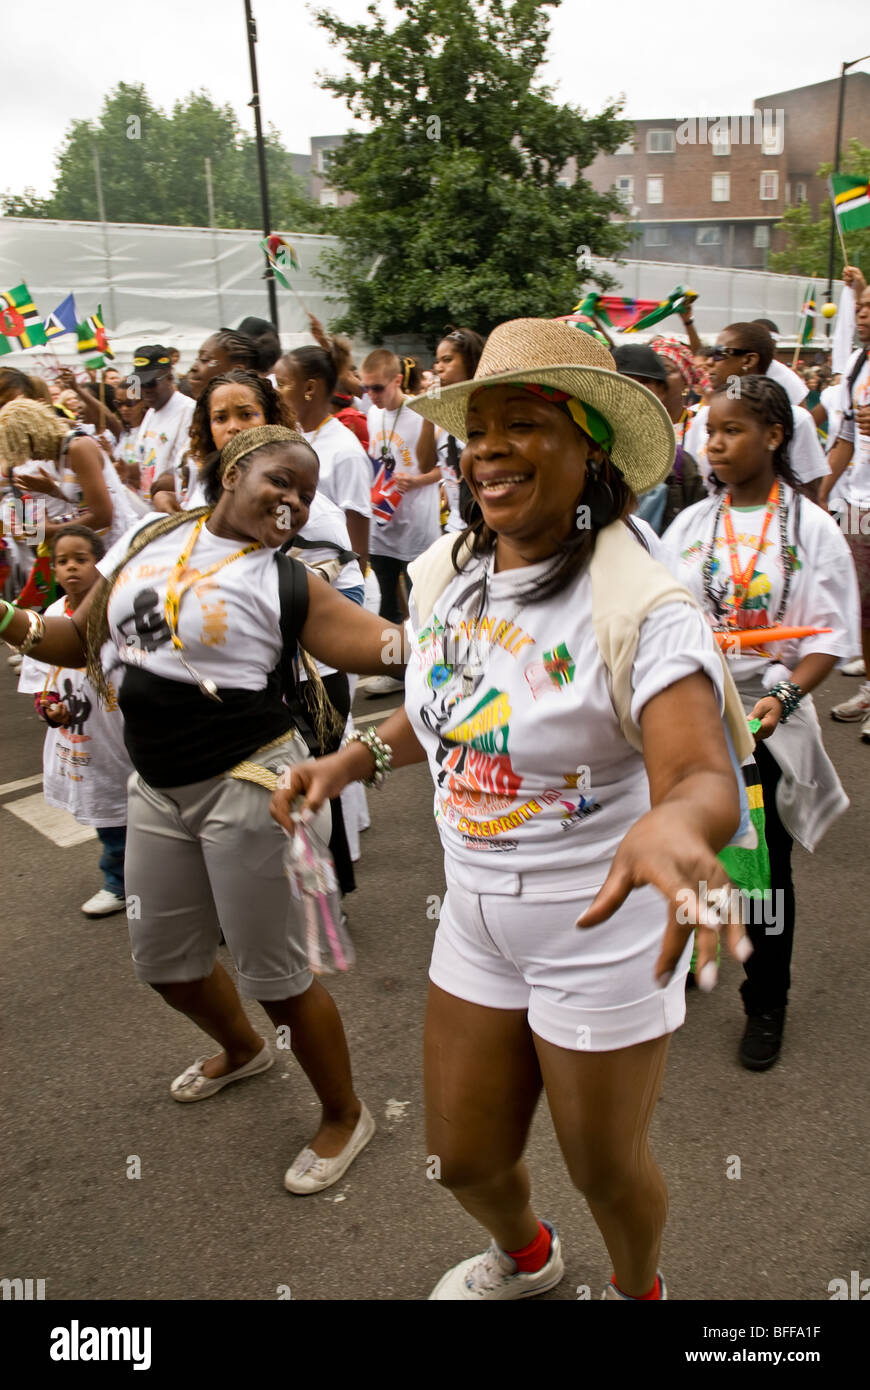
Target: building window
[(800, 195), (328, 198), (708, 236), (655, 236), (771, 136), (721, 191), (769, 185), (627, 147), (655, 189), (761, 238), (720, 139), (660, 142), (625, 188)]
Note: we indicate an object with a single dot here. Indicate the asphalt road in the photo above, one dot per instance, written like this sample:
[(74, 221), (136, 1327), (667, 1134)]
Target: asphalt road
[(88, 1055)]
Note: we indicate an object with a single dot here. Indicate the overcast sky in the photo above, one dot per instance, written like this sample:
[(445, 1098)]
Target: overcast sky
[(668, 59)]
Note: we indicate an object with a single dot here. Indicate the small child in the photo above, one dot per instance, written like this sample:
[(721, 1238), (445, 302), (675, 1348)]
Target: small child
[(84, 761)]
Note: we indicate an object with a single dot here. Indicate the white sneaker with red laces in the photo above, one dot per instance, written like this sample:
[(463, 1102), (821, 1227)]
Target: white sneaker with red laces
[(856, 710), (494, 1275)]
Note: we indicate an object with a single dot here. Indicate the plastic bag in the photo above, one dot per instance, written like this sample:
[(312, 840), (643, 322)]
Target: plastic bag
[(311, 875)]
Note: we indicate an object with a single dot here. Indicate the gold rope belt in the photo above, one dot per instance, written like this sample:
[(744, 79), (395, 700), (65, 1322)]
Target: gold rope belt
[(248, 771)]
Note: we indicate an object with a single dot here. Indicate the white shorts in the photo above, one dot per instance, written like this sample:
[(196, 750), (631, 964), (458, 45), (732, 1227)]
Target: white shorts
[(508, 941)]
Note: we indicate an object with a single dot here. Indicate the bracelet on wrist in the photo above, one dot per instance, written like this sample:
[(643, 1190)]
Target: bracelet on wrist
[(789, 696), (11, 610), (380, 751)]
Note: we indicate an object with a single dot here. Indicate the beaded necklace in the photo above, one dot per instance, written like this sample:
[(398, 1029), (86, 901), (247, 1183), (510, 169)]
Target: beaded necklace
[(789, 561)]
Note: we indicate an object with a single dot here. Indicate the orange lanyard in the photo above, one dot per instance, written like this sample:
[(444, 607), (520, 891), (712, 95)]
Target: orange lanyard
[(741, 578), (176, 587)]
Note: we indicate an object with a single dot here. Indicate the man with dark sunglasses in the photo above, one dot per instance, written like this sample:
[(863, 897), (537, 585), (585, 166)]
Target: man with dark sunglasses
[(746, 349)]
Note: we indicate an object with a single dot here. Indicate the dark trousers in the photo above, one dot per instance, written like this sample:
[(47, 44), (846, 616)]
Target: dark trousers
[(387, 570), (768, 975), (113, 839)]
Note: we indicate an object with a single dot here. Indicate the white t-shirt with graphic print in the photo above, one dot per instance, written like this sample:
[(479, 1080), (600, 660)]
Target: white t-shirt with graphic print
[(162, 438), (823, 590), (85, 765), (531, 768), (415, 524), (229, 621)]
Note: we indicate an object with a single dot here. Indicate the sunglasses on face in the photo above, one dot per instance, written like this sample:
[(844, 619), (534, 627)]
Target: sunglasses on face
[(718, 354)]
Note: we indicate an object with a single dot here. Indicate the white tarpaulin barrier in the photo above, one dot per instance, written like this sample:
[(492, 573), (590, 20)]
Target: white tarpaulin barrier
[(171, 285), (724, 296)]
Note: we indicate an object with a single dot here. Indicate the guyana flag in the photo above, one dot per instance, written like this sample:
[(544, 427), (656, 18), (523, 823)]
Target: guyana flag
[(850, 194), (92, 336), (20, 323), (280, 254), (808, 314)]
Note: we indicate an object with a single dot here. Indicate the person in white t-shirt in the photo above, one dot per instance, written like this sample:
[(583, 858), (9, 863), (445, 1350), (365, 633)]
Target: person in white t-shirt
[(162, 436), (759, 556), (850, 474), (546, 810), (408, 523), (308, 378), (456, 359), (191, 619), (84, 762), (743, 349)]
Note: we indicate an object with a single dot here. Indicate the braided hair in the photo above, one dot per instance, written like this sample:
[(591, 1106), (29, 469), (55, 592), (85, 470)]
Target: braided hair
[(239, 348), (769, 403), (316, 364)]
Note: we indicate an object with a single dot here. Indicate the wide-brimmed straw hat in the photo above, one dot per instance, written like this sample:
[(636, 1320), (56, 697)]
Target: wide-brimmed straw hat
[(549, 353)]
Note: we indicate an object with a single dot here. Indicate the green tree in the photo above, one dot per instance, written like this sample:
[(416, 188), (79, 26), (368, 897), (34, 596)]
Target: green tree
[(459, 187), (808, 238), (152, 168)]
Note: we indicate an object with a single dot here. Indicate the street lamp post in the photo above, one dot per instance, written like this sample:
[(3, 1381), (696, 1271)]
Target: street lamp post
[(261, 157)]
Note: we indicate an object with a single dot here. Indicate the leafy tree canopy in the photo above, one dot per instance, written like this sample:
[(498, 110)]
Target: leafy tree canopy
[(460, 186), (152, 168), (808, 238)]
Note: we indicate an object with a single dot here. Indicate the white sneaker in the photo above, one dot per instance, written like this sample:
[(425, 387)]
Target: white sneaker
[(382, 685), (611, 1293), (858, 708), (15, 661), (103, 904), (494, 1275), (310, 1173), (854, 668)]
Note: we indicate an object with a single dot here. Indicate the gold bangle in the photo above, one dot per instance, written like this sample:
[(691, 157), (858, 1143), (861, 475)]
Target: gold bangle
[(35, 634)]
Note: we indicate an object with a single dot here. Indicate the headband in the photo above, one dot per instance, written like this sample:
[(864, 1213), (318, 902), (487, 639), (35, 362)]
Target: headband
[(585, 416), (248, 440)]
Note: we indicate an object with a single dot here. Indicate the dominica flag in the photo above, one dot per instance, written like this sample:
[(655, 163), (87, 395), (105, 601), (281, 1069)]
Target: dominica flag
[(92, 336), (850, 194), (808, 314), (63, 320), (631, 315), (20, 323), (678, 300), (280, 255)]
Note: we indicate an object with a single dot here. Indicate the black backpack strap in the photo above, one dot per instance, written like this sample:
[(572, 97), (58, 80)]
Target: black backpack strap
[(293, 597), (302, 543), (850, 386)]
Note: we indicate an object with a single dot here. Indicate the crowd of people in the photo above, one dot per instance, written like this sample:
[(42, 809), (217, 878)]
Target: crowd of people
[(606, 586)]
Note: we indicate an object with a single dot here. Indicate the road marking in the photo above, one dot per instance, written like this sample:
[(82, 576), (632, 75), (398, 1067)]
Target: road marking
[(52, 822), (21, 784)]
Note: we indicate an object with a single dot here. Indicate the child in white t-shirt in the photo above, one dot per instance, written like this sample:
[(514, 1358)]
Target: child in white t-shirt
[(85, 763)]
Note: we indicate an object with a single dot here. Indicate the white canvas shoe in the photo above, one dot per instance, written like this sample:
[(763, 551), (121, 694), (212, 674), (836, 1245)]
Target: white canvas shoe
[(310, 1173), (493, 1275), (854, 668), (192, 1085), (103, 904)]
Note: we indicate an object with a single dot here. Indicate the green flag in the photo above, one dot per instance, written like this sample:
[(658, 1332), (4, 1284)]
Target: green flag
[(850, 194), (808, 314), (20, 323)]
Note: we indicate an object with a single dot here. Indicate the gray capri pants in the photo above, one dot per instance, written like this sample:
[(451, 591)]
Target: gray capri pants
[(205, 859)]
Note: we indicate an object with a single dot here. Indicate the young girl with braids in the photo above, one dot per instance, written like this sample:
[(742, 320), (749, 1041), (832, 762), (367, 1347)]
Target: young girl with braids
[(757, 555), (190, 616)]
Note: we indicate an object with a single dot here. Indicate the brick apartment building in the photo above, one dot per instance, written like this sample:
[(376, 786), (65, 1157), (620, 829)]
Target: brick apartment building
[(709, 191)]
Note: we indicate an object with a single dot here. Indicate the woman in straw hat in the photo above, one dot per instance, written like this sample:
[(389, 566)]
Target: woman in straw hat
[(200, 614), (549, 811)]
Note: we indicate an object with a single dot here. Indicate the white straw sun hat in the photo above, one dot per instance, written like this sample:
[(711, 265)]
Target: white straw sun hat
[(548, 353)]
